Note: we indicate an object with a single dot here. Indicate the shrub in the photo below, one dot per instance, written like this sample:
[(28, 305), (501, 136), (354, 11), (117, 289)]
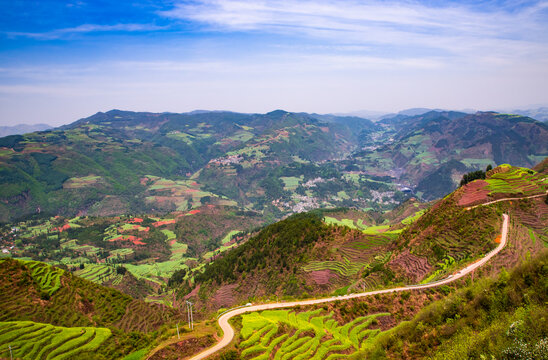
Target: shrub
[(229, 355)]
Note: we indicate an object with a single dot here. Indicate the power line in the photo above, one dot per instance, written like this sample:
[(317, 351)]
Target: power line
[(190, 317)]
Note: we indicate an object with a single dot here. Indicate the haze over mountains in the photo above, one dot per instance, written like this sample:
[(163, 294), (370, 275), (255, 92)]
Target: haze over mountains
[(278, 162), (22, 129)]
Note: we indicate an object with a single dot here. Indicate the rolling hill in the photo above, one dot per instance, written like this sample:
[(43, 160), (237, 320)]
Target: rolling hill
[(104, 164), (342, 251), (430, 152), (277, 163), (59, 315)]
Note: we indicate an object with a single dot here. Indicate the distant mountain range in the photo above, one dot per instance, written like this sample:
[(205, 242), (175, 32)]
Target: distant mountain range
[(540, 114), (276, 163), (22, 129)]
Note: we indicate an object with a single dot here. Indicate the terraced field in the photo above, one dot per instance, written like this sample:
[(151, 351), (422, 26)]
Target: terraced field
[(23, 297), (285, 334), (145, 317), (517, 181), (344, 268), (358, 254), (100, 274), (47, 277), (30, 340)]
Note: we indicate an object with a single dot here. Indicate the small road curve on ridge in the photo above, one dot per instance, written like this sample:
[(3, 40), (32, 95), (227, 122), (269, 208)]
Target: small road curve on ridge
[(228, 331), (508, 199)]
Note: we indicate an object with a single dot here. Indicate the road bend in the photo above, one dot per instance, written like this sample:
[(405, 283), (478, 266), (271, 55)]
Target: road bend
[(228, 331), (508, 199)]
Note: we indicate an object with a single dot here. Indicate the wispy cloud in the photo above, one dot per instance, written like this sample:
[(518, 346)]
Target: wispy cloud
[(86, 28), (453, 28)]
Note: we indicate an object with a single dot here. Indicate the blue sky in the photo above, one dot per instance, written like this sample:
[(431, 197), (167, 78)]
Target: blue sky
[(63, 60)]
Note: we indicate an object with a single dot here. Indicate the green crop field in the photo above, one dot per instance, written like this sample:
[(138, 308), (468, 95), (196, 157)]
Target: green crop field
[(311, 335), (228, 236), (99, 273), (344, 268), (411, 219), (157, 271), (48, 277), (344, 222), (242, 136), (291, 182), (170, 234), (517, 181), (30, 340)]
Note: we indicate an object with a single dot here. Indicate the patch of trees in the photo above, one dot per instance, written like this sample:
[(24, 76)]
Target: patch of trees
[(474, 175), (280, 243), (177, 277)]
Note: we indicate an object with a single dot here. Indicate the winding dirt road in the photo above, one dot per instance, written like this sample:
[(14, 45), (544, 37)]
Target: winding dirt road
[(229, 331), (508, 199)]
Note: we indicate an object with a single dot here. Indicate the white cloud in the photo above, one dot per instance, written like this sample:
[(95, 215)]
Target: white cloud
[(457, 30), (86, 28)]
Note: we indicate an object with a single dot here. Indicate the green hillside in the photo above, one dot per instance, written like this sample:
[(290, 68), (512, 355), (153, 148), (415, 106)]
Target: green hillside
[(49, 313), (501, 318), (431, 151), (343, 251), (121, 162), (98, 164)]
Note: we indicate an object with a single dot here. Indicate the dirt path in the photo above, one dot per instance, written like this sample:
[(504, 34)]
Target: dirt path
[(507, 199), (229, 331)]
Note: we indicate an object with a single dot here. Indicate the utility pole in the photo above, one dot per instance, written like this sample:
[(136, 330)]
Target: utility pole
[(11, 355), (190, 318), (178, 336)]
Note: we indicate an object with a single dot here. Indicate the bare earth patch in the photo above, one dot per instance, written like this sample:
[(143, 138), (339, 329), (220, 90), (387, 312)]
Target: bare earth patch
[(322, 277), (412, 266), (474, 192), (224, 296)]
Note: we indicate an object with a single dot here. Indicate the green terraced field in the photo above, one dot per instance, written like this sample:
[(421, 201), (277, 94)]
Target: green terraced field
[(345, 222), (291, 182), (516, 180), (121, 252), (411, 219), (359, 225), (373, 241), (99, 273), (170, 234), (30, 340), (344, 268), (284, 334), (83, 249), (48, 277), (158, 272)]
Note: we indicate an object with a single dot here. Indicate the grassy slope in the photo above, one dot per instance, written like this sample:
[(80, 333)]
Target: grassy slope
[(499, 317), (436, 148), (26, 294), (425, 245), (96, 164)]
